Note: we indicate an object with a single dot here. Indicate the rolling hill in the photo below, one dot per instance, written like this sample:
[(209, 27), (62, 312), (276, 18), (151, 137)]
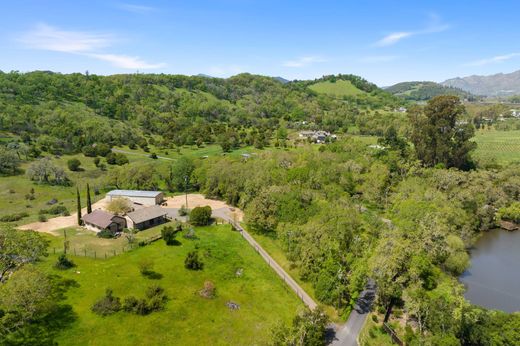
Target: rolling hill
[(423, 91), (500, 84), (338, 88)]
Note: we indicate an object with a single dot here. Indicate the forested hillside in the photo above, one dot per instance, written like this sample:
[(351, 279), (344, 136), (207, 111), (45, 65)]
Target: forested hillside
[(65, 113), (423, 91)]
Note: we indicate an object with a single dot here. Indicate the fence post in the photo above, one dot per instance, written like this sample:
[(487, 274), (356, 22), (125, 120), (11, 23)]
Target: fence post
[(85, 252), (105, 255), (94, 254), (114, 252)]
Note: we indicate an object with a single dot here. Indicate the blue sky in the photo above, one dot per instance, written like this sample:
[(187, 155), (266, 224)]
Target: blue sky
[(383, 41)]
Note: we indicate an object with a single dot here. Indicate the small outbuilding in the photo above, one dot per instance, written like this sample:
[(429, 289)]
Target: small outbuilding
[(100, 220), (146, 217), (138, 197)]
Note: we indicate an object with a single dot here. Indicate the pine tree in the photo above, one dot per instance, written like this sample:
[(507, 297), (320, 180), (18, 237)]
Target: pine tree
[(89, 203), (79, 206)]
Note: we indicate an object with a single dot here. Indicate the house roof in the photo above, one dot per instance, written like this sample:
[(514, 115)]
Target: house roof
[(99, 218), (145, 214), (134, 193)]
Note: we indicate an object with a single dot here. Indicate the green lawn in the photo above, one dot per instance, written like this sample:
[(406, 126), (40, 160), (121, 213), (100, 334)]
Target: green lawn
[(83, 242), (339, 88), (501, 146), (187, 319)]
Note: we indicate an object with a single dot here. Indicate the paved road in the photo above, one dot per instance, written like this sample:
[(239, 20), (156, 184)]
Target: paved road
[(139, 154), (307, 300), (347, 334)]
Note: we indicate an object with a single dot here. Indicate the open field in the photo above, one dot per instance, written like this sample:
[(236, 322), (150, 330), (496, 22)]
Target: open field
[(13, 189), (339, 88), (501, 146), (188, 319)]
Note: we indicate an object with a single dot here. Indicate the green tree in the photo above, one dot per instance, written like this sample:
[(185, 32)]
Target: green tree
[(19, 248), (89, 202), (169, 234), (78, 206), (74, 164), (440, 135), (119, 206), (9, 161), (180, 174), (307, 329), (200, 216)]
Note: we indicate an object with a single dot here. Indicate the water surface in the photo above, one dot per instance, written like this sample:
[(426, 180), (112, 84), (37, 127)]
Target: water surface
[(493, 280)]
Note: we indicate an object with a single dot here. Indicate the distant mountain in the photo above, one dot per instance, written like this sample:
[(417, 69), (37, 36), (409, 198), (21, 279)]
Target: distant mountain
[(423, 91), (281, 80), (204, 75), (500, 84)]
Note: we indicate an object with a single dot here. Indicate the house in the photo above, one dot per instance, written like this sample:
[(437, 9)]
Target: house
[(100, 220), (138, 197), (317, 136), (146, 217)]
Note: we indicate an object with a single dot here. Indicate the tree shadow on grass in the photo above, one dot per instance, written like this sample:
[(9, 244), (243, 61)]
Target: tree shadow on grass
[(152, 275)]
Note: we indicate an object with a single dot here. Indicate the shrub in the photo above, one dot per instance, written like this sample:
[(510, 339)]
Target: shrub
[(146, 266), (107, 305), (193, 262), (13, 217), (183, 211), (169, 233), (97, 161), (55, 210), (89, 150), (116, 159), (200, 216), (103, 149), (190, 234), (74, 164), (130, 304), (63, 262), (106, 234), (42, 218), (153, 156), (510, 213)]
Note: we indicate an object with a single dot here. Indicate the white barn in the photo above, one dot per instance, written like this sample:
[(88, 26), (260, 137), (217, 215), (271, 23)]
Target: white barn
[(138, 197)]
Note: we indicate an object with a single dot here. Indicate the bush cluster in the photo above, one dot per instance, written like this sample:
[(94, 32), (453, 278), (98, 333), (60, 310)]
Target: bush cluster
[(107, 305), (55, 210), (200, 216), (193, 262), (13, 217), (63, 262)]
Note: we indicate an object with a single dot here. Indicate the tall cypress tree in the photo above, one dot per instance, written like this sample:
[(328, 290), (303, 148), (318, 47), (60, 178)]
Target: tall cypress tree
[(79, 206), (89, 203)]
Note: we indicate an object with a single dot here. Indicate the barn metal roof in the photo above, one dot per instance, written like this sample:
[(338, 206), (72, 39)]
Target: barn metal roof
[(134, 193)]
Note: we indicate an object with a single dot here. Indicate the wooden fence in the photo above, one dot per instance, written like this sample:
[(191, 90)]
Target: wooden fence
[(104, 254), (392, 334)]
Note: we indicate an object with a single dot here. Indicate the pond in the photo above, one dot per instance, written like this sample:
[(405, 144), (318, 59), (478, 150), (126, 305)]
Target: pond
[(493, 279)]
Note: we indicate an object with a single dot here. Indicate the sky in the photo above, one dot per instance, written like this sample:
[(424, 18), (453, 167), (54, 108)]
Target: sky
[(386, 41)]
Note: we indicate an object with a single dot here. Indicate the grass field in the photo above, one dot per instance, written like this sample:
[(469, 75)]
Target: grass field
[(339, 88), (188, 319), (501, 146), (13, 189)]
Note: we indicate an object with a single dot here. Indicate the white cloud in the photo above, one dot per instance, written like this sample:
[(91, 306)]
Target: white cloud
[(378, 59), (135, 8), (434, 26), (304, 61), (393, 38), (494, 60), (127, 62), (47, 37), (90, 44)]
